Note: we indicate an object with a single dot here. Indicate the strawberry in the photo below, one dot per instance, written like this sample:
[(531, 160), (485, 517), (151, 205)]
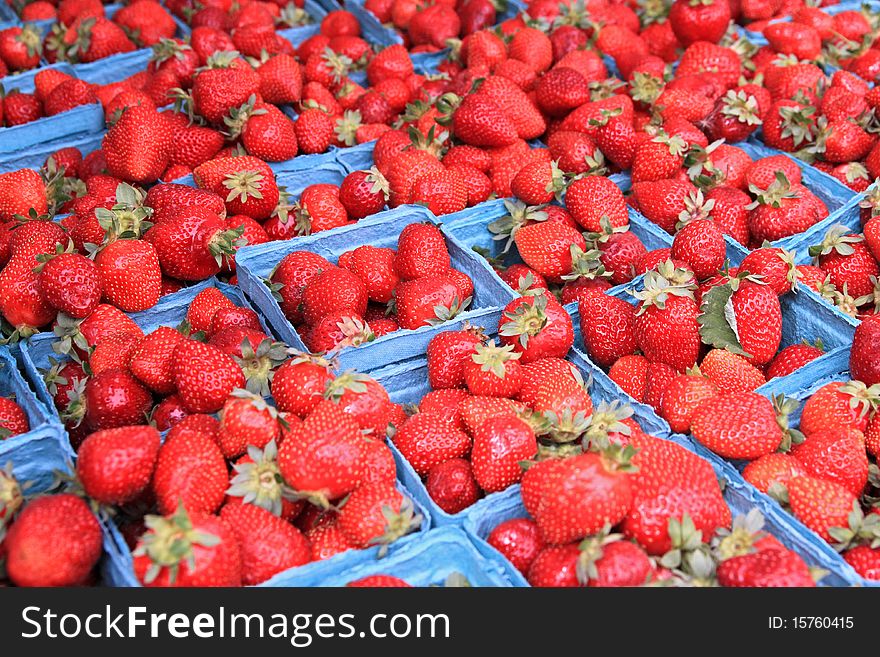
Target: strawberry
[(630, 373), (120, 264), (835, 456), (427, 440), (820, 504), (863, 363), (363, 193), (847, 260), (555, 566), (21, 191), (188, 549), (731, 373), (659, 158), (421, 251), (90, 38), (19, 108), (451, 485), (377, 514), (20, 47), (31, 544), (865, 560), (593, 199), (671, 482), (480, 121), (441, 192), (447, 354), (190, 468), (137, 146), (683, 397), (842, 406), (204, 376), (546, 247), (770, 470), (323, 458), (666, 327), (571, 498), (246, 420), (246, 183), (229, 83), (737, 426), (268, 544), (493, 371), (537, 327), (500, 444), (13, 419), (792, 358), (429, 300), (519, 540), (298, 385), (291, 275), (765, 568), (70, 283), (113, 398), (327, 540), (334, 289), (21, 303), (116, 465)]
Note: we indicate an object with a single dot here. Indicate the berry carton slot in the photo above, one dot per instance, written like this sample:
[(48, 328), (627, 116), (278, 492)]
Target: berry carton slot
[(33, 441), (38, 352), (816, 478), (35, 157), (443, 557), (754, 520), (733, 333), (47, 104), (449, 483), (117, 568), (449, 286)]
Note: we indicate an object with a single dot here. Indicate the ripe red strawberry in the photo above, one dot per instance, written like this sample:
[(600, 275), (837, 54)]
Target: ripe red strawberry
[(246, 420), (20, 192), (31, 545), (442, 192), (323, 458), (377, 514), (268, 544), (217, 90), (451, 485), (700, 243), (500, 444), (519, 540), (298, 385), (631, 374), (865, 560), (493, 371), (315, 130), (70, 283), (428, 301), (116, 465), (20, 47), (792, 358), (206, 552), (731, 373), (863, 363), (334, 289), (191, 468), (546, 248), (841, 406), (555, 566), (280, 80), (113, 398), (137, 146), (130, 274), (670, 483), (835, 456), (777, 469), (738, 426), (847, 260), (821, 505), (421, 251), (480, 121), (659, 158), (666, 328), (246, 183), (765, 568), (447, 354), (204, 376), (13, 419), (574, 497), (363, 193), (295, 271), (428, 439), (537, 327), (682, 398), (593, 199), (90, 38)]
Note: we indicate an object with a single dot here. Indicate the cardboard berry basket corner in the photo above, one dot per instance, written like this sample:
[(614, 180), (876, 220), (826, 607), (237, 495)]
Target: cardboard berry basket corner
[(799, 385), (256, 264), (117, 566), (407, 382), (18, 141), (170, 311), (38, 453), (355, 158), (804, 318), (427, 561), (740, 496)]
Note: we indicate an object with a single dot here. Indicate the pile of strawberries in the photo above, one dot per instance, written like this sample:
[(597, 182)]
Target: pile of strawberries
[(585, 118), (371, 291)]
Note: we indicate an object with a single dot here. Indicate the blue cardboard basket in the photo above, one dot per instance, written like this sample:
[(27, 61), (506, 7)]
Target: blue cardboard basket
[(38, 453), (34, 157), (117, 569), (256, 263), (18, 141), (803, 318), (407, 383), (800, 386), (170, 311), (424, 562)]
